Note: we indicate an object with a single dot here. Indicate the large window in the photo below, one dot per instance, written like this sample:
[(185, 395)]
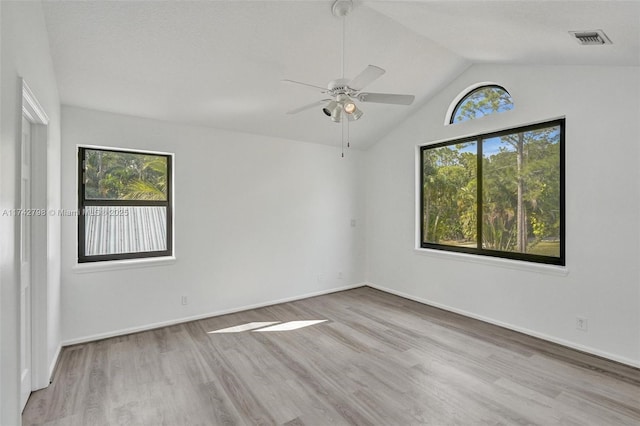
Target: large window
[(124, 205), (497, 194)]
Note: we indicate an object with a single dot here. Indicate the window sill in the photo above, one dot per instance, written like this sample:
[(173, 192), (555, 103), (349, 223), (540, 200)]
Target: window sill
[(517, 265), (113, 265)]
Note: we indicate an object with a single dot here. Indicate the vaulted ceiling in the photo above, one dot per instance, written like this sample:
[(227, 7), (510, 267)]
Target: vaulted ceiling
[(220, 63)]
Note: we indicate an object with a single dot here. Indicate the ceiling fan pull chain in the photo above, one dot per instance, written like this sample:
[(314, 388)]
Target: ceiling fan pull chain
[(348, 137), (342, 138)]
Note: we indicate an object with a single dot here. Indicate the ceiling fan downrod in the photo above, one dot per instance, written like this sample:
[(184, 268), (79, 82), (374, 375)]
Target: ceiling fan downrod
[(341, 9)]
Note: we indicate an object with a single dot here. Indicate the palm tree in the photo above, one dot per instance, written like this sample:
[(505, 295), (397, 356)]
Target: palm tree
[(151, 183)]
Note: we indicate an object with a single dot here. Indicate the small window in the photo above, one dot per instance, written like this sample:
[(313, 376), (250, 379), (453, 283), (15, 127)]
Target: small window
[(125, 208), (481, 101), (497, 194)]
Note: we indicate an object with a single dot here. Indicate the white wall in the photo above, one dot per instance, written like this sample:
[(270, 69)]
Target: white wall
[(25, 53), (257, 220), (601, 105)]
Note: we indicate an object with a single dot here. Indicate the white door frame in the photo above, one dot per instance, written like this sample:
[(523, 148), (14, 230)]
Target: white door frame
[(25, 262), (35, 114)]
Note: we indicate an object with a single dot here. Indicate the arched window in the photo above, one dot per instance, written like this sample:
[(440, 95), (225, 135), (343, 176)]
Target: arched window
[(480, 101)]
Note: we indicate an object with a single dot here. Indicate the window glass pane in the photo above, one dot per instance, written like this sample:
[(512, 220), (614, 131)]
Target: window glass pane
[(449, 195), (117, 230), (482, 101), (521, 192), (113, 175)]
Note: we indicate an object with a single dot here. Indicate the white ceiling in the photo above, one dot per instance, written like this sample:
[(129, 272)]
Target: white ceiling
[(220, 63)]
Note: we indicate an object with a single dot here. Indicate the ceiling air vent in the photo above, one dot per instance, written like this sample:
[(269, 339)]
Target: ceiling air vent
[(591, 38)]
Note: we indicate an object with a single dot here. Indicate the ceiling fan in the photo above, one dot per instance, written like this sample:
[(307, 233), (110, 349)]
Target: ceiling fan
[(341, 93)]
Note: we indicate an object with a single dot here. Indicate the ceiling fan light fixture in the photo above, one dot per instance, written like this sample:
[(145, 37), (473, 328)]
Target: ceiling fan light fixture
[(330, 108), (336, 116), (349, 107), (334, 110), (356, 114)]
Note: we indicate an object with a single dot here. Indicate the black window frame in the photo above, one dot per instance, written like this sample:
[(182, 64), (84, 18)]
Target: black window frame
[(479, 250), (84, 203)]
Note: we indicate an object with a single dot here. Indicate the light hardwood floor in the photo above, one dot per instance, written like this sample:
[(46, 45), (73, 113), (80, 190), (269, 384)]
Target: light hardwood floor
[(377, 360)]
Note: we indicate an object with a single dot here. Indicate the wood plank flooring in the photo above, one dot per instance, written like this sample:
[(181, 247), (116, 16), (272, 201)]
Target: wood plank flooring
[(378, 359)]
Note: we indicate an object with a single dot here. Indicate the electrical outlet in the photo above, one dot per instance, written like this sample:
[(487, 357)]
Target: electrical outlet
[(320, 278), (353, 223), (184, 300), (581, 323), (340, 275)]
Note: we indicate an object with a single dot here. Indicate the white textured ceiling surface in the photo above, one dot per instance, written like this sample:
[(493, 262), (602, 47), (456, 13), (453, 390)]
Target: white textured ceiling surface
[(220, 63)]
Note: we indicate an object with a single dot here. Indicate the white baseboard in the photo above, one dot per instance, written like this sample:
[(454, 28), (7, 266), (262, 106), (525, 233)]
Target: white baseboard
[(563, 342), (543, 336), (54, 363), (146, 327)]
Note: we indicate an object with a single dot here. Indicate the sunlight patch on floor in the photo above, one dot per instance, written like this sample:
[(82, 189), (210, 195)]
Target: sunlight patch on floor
[(291, 325), (261, 326), (244, 327)]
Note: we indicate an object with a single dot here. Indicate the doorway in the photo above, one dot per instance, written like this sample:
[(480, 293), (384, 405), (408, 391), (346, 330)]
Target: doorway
[(32, 224)]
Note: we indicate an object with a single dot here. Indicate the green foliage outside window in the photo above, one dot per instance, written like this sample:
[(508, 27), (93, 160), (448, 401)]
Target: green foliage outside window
[(112, 175), (480, 102), (520, 202), (495, 193), (450, 193)]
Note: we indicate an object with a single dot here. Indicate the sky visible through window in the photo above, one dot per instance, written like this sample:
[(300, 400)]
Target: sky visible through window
[(482, 101), (498, 192)]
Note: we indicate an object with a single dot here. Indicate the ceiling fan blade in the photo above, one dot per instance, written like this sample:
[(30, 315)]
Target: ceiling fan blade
[(366, 77), (386, 98), (309, 106), (323, 89)]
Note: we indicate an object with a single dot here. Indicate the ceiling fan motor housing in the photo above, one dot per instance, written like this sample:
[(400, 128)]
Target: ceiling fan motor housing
[(339, 86)]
